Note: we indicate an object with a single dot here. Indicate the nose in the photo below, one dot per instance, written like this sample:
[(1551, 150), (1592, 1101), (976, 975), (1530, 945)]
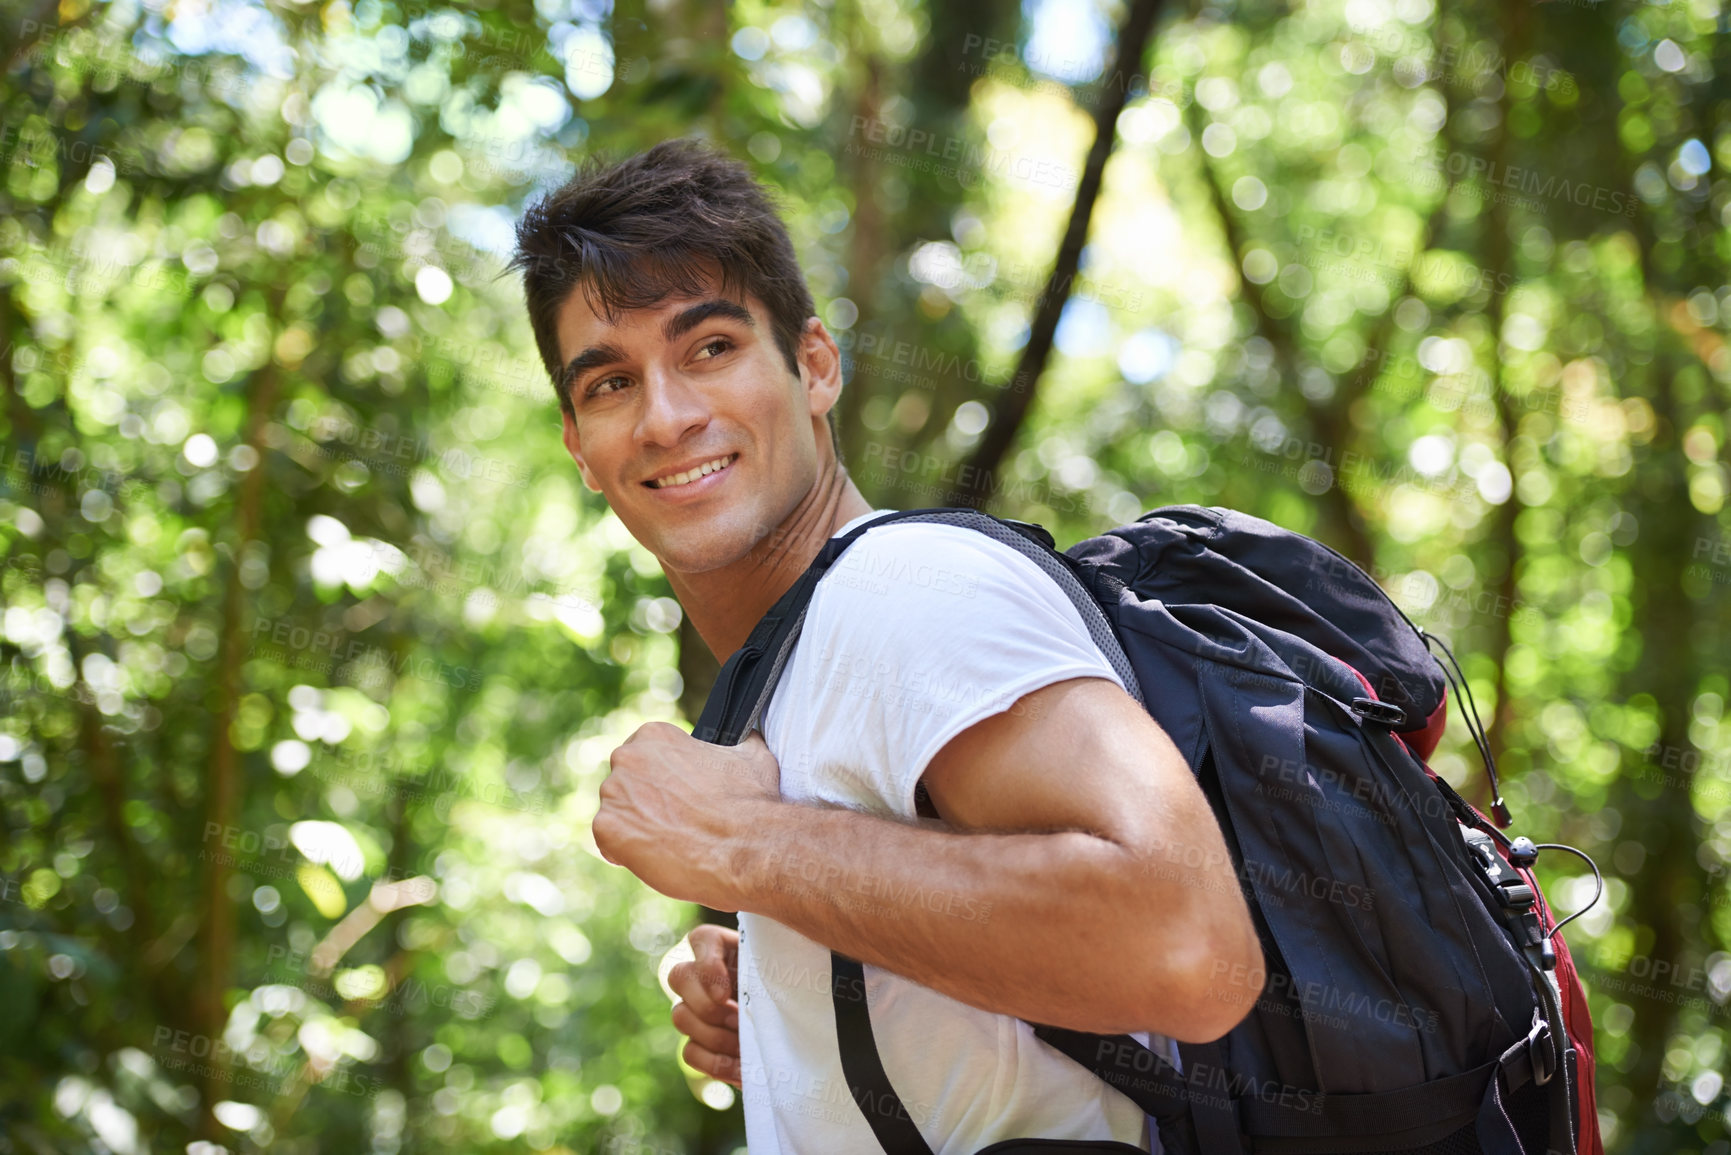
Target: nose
[(672, 408)]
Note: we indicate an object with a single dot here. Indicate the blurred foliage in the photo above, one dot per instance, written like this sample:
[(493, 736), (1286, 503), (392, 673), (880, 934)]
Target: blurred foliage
[(315, 647)]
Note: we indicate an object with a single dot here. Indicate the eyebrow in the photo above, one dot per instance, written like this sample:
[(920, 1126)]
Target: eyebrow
[(686, 320), (676, 327), (591, 358)]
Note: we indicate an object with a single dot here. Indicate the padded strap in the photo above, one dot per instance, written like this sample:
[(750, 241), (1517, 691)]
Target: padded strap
[(735, 707), (867, 1081), (747, 680), (1056, 566)]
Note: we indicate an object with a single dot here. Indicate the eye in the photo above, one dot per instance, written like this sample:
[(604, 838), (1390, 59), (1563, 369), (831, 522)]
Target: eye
[(599, 388), (720, 345)]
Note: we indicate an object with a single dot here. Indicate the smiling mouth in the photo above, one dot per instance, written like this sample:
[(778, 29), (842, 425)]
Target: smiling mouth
[(678, 479)]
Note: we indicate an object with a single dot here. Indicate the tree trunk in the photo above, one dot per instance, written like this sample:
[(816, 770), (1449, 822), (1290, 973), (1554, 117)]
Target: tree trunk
[(224, 781), (976, 478), (1503, 539), (1669, 880), (1346, 529)]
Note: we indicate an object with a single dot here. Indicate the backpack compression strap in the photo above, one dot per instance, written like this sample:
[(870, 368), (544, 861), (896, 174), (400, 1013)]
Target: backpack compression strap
[(735, 708)]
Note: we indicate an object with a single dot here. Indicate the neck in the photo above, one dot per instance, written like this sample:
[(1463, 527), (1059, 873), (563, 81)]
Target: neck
[(725, 604)]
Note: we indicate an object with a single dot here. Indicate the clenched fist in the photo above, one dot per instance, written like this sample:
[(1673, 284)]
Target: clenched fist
[(678, 813)]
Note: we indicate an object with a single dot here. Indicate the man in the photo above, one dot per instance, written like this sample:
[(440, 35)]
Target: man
[(951, 785)]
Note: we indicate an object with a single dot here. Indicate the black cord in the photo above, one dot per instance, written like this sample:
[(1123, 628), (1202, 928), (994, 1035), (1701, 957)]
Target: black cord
[(1470, 718), (1597, 877), (1469, 708)]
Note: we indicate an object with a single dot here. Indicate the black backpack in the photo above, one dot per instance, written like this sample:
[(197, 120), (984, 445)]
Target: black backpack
[(1411, 1002)]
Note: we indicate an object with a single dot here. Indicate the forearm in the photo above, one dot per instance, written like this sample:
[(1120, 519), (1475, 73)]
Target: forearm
[(1065, 928)]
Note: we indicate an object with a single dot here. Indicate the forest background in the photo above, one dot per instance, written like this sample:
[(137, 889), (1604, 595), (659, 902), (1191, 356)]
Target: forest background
[(313, 647)]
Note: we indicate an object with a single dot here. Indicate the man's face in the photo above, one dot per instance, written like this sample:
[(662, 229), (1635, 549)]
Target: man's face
[(695, 384)]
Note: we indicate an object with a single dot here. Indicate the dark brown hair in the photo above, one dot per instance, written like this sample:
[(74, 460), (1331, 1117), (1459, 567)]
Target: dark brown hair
[(658, 224)]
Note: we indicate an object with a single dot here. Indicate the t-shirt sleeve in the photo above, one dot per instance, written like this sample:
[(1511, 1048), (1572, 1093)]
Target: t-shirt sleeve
[(925, 630)]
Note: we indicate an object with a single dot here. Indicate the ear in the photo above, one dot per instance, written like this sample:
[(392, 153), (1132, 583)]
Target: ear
[(575, 448), (819, 368)]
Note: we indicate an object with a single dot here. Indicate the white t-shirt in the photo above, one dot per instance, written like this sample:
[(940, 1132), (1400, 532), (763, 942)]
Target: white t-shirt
[(918, 632)]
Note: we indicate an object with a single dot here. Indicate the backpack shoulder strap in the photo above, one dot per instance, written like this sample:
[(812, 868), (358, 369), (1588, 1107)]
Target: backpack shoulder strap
[(742, 692), (748, 679), (864, 1071)]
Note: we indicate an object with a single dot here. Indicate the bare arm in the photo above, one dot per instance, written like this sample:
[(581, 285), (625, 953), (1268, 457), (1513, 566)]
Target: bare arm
[(1082, 881), (1086, 885)]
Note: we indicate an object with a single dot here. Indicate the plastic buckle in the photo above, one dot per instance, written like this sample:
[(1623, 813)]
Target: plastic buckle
[(1381, 713), (1515, 894), (1540, 1052)]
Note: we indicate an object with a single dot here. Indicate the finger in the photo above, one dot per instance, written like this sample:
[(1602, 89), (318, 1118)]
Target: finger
[(689, 986), (723, 1067), (710, 1037), (709, 934), (759, 761), (715, 951)]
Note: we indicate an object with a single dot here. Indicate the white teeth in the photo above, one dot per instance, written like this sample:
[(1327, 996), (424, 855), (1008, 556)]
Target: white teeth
[(691, 475)]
